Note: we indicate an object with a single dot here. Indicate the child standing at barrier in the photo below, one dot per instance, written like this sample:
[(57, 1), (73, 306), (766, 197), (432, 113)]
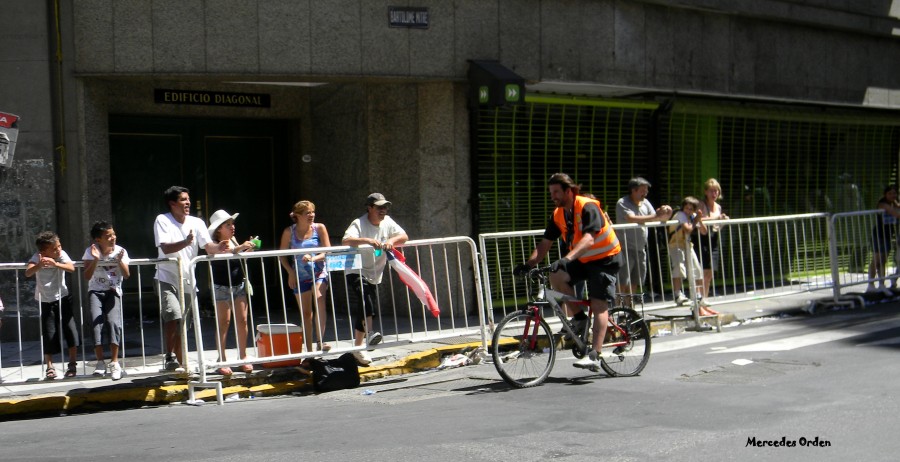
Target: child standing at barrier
[(105, 294), (47, 266), (680, 250)]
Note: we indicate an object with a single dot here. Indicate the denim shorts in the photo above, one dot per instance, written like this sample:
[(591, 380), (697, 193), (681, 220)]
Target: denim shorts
[(229, 293)]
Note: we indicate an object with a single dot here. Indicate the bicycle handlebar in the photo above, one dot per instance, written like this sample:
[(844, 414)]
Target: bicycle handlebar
[(536, 273)]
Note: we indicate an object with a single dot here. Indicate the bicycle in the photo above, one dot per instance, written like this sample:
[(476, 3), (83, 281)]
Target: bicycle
[(524, 348)]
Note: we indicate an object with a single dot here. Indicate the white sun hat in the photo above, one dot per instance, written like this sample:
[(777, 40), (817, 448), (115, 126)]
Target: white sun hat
[(218, 218)]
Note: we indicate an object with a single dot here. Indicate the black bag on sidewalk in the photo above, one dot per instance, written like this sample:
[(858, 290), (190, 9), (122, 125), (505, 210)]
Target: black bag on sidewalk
[(334, 374)]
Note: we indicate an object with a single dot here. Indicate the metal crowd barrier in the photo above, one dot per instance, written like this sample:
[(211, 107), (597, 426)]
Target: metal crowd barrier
[(758, 258), (22, 357), (852, 248), (448, 266)]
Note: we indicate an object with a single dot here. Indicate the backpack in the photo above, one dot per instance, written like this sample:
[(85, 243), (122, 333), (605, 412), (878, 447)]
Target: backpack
[(333, 374)]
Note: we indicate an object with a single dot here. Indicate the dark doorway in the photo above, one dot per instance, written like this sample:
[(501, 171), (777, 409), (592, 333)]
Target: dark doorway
[(237, 165)]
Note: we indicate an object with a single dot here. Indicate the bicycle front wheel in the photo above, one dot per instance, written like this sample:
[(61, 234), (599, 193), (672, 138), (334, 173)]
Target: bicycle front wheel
[(523, 349), (627, 348)]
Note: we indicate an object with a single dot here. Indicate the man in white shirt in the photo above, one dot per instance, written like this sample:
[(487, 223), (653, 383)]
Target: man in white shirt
[(380, 231), (177, 234)]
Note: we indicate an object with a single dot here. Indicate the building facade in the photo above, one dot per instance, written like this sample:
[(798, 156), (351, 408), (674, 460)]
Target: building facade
[(255, 104)]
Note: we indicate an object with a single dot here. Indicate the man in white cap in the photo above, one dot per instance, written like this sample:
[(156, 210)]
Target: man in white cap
[(378, 230), (177, 234)]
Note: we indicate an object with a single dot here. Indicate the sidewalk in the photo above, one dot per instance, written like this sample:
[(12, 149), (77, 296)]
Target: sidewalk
[(148, 385)]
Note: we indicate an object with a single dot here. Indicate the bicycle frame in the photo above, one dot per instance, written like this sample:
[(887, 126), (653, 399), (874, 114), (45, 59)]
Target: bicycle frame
[(554, 299)]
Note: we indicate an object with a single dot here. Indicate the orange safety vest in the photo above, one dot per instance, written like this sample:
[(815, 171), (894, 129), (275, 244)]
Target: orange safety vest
[(606, 244)]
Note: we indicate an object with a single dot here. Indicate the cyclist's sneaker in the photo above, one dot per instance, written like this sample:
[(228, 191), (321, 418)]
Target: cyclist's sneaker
[(374, 338), (681, 299), (590, 361), (703, 303), (115, 371), (100, 369), (578, 325)]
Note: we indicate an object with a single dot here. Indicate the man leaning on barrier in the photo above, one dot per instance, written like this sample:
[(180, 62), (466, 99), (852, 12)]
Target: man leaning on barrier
[(636, 208), (177, 234), (377, 229), (591, 254)]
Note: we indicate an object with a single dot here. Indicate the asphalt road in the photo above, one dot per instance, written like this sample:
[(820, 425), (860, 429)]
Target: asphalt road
[(804, 388)]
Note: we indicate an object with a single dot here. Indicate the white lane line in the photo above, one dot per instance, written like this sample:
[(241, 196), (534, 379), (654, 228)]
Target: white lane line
[(691, 341), (815, 338)]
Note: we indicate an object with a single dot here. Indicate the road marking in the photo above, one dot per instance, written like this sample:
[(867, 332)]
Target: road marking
[(711, 338), (815, 338)]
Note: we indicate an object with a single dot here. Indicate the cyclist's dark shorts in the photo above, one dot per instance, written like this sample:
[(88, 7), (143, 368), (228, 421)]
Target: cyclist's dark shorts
[(601, 277)]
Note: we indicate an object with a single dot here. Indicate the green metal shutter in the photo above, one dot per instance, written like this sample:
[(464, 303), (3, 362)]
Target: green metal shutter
[(776, 160), (600, 143)]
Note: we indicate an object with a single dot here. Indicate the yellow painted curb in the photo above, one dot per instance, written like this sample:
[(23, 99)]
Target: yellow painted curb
[(95, 399)]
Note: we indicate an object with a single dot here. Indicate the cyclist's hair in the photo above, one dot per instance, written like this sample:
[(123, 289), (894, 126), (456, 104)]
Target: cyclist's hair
[(637, 182), (565, 182), (99, 228)]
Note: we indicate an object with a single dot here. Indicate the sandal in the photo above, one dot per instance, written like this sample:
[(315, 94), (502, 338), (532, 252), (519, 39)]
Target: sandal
[(325, 347), (247, 368), (51, 373), (72, 371), (224, 371)]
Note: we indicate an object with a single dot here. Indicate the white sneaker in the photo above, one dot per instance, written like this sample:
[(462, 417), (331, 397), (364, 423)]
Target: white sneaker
[(115, 371), (704, 303), (589, 361), (681, 299), (100, 370), (870, 289), (362, 358)]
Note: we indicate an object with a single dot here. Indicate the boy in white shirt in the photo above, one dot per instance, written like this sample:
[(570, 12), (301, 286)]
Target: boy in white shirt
[(47, 266), (105, 267)]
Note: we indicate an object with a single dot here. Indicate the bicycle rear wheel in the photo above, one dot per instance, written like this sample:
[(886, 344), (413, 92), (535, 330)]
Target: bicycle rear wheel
[(523, 349), (626, 353)]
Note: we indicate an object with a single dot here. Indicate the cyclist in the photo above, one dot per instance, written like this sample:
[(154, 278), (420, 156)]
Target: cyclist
[(590, 254)]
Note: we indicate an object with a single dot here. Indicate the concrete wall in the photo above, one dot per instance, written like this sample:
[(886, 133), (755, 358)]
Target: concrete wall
[(400, 84), (824, 50), (28, 189), (407, 141)]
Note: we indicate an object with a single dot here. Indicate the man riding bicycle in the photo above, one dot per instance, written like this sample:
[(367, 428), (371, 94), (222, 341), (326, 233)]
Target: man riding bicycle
[(591, 255)]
